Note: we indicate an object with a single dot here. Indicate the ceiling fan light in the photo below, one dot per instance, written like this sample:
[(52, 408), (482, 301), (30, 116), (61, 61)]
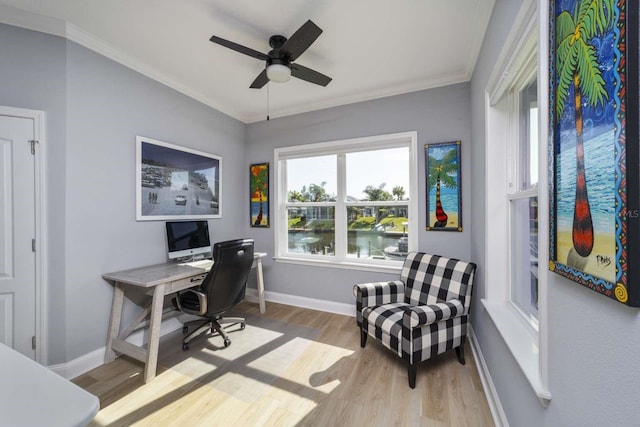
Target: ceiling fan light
[(278, 73)]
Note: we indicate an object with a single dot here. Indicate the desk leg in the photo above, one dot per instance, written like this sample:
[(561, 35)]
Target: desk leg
[(263, 307), (154, 333), (114, 321)]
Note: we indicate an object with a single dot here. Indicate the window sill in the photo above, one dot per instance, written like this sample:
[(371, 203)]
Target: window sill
[(523, 344), (341, 264)]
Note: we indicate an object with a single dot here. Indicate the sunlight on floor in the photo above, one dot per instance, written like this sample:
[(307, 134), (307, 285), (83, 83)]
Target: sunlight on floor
[(284, 375), (296, 367)]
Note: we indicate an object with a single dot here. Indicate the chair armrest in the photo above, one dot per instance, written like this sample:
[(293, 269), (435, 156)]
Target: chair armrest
[(202, 301), (378, 293), (422, 315)]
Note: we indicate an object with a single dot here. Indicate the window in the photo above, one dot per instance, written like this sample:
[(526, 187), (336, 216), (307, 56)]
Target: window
[(523, 200), (516, 178), (349, 202)]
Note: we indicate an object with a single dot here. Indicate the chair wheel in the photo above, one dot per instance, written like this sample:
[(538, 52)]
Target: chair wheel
[(185, 330), (242, 326), (185, 346), (227, 342)]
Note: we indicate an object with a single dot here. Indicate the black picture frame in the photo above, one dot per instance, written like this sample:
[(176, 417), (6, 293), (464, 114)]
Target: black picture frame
[(594, 212)]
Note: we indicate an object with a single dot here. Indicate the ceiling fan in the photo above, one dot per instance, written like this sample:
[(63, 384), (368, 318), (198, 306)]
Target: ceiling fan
[(279, 61)]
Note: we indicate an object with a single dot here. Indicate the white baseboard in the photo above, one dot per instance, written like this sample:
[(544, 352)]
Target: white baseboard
[(304, 302), (79, 365), (89, 361), (495, 406)]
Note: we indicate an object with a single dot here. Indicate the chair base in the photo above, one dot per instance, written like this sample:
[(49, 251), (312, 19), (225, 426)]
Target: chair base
[(460, 353), (212, 325), (363, 338), (412, 369)]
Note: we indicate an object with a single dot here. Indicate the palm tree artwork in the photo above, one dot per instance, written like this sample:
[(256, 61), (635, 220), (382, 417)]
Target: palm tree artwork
[(259, 179), (578, 73), (442, 170)]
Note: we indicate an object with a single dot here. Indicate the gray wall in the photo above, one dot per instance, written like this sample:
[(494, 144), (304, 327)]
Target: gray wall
[(33, 76), (594, 379), (439, 115), (108, 105), (94, 110)]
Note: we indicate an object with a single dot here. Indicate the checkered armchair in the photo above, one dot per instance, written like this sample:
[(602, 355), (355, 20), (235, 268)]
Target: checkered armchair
[(423, 314)]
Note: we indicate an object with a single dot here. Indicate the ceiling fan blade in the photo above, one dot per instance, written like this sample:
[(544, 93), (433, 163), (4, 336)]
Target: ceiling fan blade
[(301, 40), (239, 48), (309, 75), (260, 81)]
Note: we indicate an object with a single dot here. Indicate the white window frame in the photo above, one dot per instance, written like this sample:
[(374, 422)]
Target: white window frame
[(528, 344), (526, 73), (341, 147)]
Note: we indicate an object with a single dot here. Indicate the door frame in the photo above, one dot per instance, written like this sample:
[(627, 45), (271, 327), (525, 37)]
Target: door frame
[(38, 118)]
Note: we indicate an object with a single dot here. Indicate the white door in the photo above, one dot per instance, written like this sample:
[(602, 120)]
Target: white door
[(17, 234)]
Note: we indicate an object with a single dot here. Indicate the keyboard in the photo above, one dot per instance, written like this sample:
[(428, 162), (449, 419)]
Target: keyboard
[(201, 263)]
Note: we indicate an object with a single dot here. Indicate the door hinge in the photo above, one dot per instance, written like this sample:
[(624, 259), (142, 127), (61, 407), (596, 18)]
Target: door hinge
[(33, 245), (33, 143), (33, 342)]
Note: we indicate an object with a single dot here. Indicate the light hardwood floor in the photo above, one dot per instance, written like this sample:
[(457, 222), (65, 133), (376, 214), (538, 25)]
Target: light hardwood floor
[(289, 367)]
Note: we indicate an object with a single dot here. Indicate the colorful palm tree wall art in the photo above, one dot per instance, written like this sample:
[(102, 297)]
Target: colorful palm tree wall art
[(443, 170), (593, 194), (259, 187), (578, 69)]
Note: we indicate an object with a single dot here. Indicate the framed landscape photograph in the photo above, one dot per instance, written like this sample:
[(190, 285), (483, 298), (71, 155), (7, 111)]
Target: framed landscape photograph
[(174, 183), (593, 201), (444, 205), (259, 191)]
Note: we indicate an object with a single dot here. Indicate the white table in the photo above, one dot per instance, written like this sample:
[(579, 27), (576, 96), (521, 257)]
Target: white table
[(158, 281), (32, 395)]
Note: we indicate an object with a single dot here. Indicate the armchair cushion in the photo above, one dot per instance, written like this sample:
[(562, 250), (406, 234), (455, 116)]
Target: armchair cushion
[(420, 315), (386, 320)]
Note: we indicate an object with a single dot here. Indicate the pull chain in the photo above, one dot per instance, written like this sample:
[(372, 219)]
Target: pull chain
[(268, 101)]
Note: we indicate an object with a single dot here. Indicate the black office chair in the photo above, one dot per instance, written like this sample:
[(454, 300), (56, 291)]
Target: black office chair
[(222, 288)]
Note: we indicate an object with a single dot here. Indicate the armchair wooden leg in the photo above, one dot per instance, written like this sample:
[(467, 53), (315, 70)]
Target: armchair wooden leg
[(413, 370), (363, 338), (460, 353)]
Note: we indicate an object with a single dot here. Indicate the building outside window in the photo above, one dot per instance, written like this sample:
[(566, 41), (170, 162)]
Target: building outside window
[(348, 202)]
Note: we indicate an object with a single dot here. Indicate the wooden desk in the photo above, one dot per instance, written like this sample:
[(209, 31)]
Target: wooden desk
[(158, 281), (32, 395)]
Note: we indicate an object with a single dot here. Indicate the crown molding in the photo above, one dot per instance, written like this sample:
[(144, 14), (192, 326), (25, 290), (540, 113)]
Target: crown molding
[(91, 42), (31, 21), (451, 79), (57, 27)]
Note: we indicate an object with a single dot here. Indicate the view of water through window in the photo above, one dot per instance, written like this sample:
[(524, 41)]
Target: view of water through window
[(349, 201), (360, 244)]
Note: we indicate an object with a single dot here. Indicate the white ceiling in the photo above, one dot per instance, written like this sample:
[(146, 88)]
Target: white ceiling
[(371, 48)]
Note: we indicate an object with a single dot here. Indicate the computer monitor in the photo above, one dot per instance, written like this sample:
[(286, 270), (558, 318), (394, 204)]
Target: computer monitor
[(187, 238)]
